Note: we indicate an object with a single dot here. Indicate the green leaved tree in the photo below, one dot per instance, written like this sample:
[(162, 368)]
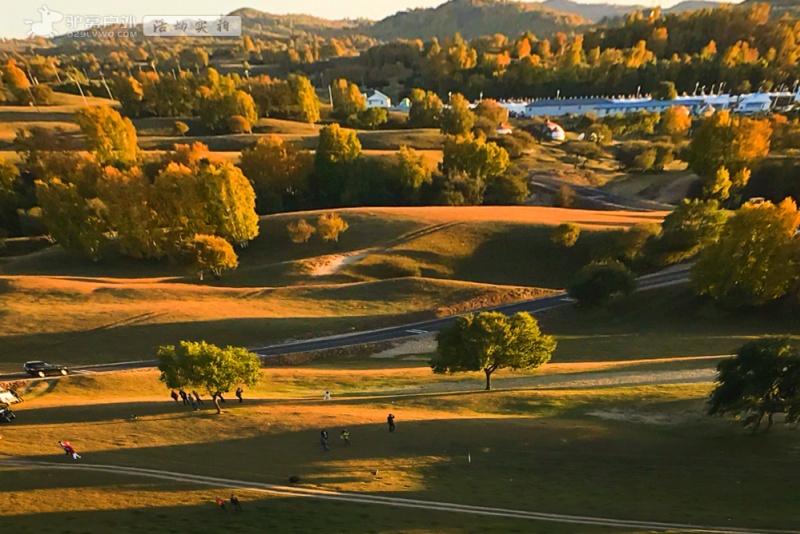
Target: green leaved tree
[(490, 341), (201, 365)]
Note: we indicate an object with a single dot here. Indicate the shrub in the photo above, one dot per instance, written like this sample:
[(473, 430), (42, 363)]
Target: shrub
[(300, 231), (566, 235), (387, 267), (181, 128), (508, 189), (600, 282), (564, 197), (584, 149), (238, 124)]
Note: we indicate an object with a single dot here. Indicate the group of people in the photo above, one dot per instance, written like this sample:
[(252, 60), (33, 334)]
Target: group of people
[(189, 399), (237, 507), (345, 435), (193, 399)]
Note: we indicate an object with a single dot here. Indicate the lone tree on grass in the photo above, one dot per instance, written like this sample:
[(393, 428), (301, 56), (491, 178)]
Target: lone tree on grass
[(300, 231), (330, 225), (204, 366), (490, 341), (763, 379)]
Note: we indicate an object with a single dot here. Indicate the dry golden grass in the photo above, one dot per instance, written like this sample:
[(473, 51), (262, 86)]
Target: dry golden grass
[(529, 215)]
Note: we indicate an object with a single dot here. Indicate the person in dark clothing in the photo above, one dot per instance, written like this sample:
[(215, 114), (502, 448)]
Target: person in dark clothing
[(173, 395), (193, 402), (197, 397), (221, 399), (235, 503), (239, 392), (390, 420), (323, 439), (183, 396)]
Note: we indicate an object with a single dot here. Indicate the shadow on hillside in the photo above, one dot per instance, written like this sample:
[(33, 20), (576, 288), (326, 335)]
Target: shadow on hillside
[(123, 342)]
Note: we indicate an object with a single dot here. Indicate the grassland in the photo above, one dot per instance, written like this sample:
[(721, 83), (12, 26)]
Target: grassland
[(646, 452), (58, 307)]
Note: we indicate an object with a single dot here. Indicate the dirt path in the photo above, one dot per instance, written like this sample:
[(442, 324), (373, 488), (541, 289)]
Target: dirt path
[(332, 264), (364, 498)]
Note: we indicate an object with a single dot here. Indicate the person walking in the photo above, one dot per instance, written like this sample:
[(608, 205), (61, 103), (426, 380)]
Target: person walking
[(197, 397), (239, 392), (323, 439), (183, 396), (221, 504), (173, 395), (193, 402), (327, 395), (345, 436), (390, 420), (235, 503)]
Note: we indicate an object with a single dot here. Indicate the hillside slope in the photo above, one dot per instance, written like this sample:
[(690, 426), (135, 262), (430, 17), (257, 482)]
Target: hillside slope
[(472, 18)]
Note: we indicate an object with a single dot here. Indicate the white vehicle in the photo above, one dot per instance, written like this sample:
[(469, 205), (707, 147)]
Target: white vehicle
[(8, 397)]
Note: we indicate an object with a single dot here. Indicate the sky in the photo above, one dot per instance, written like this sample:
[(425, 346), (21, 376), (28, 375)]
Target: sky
[(16, 12)]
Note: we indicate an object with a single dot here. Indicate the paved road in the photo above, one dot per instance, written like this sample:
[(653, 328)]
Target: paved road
[(667, 277), (397, 502)]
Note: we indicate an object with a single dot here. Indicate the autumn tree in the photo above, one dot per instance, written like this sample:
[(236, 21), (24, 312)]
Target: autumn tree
[(304, 98), (109, 136), (238, 124), (348, 100), (330, 226), (9, 198), (755, 259), (337, 150), (371, 118), (675, 121), (723, 140), (491, 111), (475, 157), (666, 91), (687, 230), (228, 202), (208, 253), (300, 231), (426, 109), (181, 128), (200, 365), (279, 172), (457, 118), (490, 341), (78, 224), (719, 187), (411, 172)]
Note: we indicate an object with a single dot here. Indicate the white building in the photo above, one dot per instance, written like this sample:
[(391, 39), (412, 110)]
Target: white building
[(378, 100)]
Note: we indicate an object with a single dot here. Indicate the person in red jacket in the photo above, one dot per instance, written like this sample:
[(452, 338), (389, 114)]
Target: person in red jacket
[(69, 450)]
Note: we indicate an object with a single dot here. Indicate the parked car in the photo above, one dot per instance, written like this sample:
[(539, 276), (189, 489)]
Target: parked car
[(6, 415), (42, 369)]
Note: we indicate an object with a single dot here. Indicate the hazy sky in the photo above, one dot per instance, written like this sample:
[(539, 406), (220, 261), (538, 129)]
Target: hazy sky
[(16, 12)]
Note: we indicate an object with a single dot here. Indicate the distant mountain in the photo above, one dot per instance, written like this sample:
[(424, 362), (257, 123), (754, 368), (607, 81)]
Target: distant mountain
[(779, 7), (260, 22), (597, 12), (473, 18)]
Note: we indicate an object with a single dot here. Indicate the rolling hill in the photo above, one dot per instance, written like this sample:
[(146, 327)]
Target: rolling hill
[(472, 18)]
